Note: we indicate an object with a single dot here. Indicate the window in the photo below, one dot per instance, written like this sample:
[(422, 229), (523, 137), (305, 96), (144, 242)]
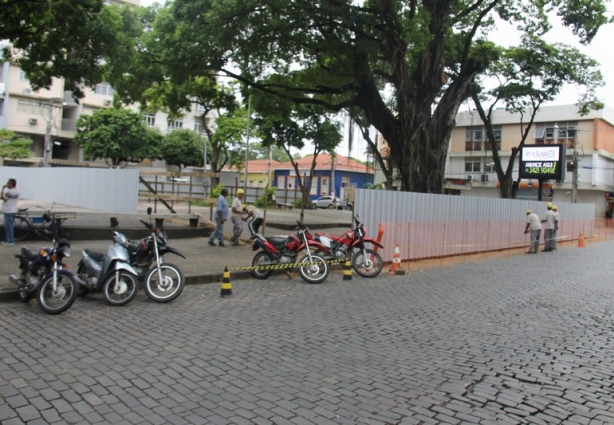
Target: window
[(497, 133), (150, 120), (198, 109), (178, 123), (567, 130), (104, 88), (28, 106), (314, 186), (261, 183), (473, 165), (473, 139), (23, 77), (197, 127), (489, 165), (250, 183)]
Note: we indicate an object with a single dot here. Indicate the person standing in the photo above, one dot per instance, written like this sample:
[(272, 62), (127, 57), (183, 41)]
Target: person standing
[(535, 227), (221, 215), (237, 211), (549, 219), (256, 220), (557, 224), (9, 209)]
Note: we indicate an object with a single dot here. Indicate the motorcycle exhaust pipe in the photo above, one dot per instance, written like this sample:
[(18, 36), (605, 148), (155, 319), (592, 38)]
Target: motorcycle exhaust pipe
[(79, 281), (14, 280)]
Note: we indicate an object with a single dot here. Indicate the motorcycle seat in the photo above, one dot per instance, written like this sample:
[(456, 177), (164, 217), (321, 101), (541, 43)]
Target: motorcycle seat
[(96, 256), (133, 247), (277, 241), (27, 252)]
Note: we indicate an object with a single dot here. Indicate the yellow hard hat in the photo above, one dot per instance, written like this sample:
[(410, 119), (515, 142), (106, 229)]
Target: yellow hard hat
[(549, 205), (244, 206), (554, 207), (528, 212), (240, 192)]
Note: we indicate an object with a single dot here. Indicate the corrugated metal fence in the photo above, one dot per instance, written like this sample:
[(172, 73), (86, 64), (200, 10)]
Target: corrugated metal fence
[(103, 189), (427, 226)]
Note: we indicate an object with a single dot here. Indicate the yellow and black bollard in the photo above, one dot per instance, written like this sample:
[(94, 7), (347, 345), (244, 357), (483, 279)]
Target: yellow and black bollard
[(347, 270), (226, 285)]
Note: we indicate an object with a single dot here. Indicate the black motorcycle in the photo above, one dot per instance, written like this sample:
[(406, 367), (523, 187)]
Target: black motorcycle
[(45, 274)]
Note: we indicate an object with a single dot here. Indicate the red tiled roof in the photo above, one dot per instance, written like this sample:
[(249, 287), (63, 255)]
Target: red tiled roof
[(256, 166), (324, 162)]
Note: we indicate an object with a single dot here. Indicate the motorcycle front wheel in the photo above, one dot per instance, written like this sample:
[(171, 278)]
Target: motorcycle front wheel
[(313, 273), (367, 263), (167, 289), (58, 300), (120, 288), (262, 258)]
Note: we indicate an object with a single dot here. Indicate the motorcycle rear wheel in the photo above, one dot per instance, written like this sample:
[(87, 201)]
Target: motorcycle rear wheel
[(60, 300), (121, 292), (259, 258), (369, 264), (313, 273), (169, 288)]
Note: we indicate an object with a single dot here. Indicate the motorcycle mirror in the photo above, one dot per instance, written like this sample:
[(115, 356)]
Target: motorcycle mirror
[(149, 210)]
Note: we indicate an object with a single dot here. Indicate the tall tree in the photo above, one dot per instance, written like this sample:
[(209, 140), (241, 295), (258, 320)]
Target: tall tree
[(285, 125), (118, 136), (64, 38), (528, 76), (407, 66)]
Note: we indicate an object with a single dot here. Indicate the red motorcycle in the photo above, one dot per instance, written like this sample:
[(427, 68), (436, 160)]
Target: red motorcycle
[(367, 262), (284, 250)]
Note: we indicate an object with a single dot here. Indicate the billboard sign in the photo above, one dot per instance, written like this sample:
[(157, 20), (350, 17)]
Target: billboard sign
[(542, 162)]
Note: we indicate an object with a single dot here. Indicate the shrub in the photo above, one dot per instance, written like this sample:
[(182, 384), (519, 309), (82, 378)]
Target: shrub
[(269, 193)]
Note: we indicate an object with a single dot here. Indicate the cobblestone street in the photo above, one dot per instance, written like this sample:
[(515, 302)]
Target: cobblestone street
[(521, 339)]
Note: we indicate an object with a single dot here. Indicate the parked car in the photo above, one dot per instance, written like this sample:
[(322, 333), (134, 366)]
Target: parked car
[(330, 203)]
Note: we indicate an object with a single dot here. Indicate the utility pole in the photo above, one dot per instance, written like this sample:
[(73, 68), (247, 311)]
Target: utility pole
[(249, 113), (574, 178), (47, 144)]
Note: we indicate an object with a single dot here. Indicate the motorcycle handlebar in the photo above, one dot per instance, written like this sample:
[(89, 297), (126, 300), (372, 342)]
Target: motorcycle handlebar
[(148, 225)]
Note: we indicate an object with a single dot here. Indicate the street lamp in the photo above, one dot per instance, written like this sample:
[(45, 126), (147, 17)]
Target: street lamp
[(57, 103)]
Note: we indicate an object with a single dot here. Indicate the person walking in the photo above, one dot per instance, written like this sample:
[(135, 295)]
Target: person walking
[(221, 215), (550, 220), (237, 211), (256, 220), (557, 224), (9, 209), (535, 227)]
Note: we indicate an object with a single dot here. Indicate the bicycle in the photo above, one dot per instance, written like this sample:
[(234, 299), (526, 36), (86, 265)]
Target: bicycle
[(49, 223)]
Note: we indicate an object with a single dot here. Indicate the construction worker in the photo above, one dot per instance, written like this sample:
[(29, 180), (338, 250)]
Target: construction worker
[(535, 227), (237, 210), (550, 221), (557, 224)]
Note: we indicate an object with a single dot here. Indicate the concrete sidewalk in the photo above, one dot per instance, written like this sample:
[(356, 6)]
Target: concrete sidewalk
[(204, 263)]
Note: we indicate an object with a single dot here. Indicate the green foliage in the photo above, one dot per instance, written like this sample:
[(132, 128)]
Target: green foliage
[(14, 146), (260, 201), (405, 66), (183, 148), (116, 135), (63, 38)]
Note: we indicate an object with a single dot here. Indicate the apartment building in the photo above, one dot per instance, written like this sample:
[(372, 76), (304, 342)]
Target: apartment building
[(470, 168), (49, 116)]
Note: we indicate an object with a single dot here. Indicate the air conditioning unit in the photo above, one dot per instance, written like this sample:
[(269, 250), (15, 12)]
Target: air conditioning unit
[(484, 178), (28, 91), (33, 121), (107, 102)]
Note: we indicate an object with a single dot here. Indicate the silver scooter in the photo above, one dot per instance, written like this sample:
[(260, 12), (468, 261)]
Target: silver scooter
[(111, 272)]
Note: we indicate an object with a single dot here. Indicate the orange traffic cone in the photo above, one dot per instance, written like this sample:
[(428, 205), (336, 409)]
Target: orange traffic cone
[(581, 241), (395, 267)]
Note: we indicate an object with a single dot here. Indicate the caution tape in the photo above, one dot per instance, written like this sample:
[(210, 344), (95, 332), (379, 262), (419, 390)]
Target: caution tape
[(286, 265)]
